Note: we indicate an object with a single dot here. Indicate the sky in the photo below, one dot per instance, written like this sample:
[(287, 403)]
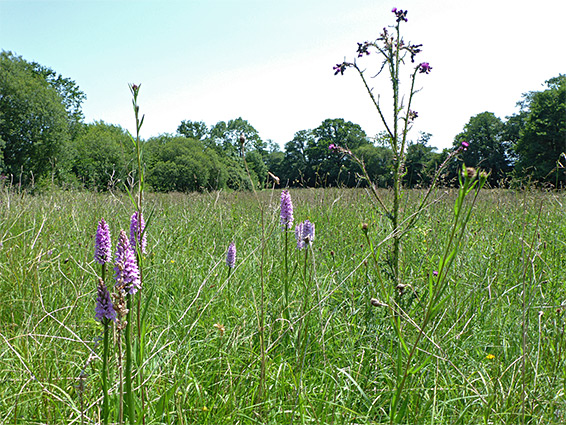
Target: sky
[(270, 61)]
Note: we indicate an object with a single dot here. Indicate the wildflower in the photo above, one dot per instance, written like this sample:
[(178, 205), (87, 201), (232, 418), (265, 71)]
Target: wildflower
[(340, 68), (469, 172), (286, 210), (231, 256), (126, 268), (104, 308), (400, 14), (465, 145), (414, 49), (490, 357), (102, 244), (137, 234), (435, 273), (424, 68), (363, 49), (304, 233), (413, 115), (332, 146)]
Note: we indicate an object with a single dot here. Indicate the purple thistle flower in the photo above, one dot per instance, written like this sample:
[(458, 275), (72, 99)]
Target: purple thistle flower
[(304, 234), (104, 307), (126, 267), (137, 228), (286, 210), (400, 14), (102, 244), (340, 68), (425, 68), (231, 256)]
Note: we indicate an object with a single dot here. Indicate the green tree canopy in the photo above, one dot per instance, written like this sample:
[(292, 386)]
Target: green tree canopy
[(487, 148), (542, 138), (34, 124), (196, 130), (227, 136), (325, 168), (102, 153), (420, 162)]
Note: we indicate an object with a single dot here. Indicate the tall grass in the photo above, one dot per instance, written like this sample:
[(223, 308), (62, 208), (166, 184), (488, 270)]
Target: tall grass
[(495, 354)]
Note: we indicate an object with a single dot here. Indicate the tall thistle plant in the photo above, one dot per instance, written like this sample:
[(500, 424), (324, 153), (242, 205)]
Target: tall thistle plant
[(396, 56), (394, 52), (399, 58)]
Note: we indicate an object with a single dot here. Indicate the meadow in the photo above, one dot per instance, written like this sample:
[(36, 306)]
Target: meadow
[(493, 354)]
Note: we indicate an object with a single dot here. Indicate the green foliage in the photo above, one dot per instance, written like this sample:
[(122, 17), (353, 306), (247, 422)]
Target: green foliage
[(103, 156), (196, 130), (378, 161), (34, 125), (175, 163), (194, 373), (488, 149), (295, 162), (227, 137), (543, 134), (72, 97), (421, 162)]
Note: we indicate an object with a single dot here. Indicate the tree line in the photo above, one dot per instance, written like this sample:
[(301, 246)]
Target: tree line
[(44, 140)]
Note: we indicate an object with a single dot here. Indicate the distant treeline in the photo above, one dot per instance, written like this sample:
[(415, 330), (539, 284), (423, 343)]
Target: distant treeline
[(44, 141)]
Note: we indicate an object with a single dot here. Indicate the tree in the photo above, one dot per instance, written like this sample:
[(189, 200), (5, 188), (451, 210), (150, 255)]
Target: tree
[(326, 168), (71, 95), (542, 140), (227, 136), (420, 161), (102, 153), (378, 161), (196, 130), (487, 148), (181, 164), (34, 125), (295, 161)]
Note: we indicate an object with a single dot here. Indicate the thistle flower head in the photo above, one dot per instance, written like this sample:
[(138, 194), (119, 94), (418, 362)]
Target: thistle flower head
[(424, 68), (231, 256), (126, 267), (104, 308), (304, 234), (286, 210), (102, 244), (137, 234)]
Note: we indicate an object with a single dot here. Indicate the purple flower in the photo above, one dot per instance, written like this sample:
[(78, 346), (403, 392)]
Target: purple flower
[(340, 68), (465, 145), (102, 244), (286, 210), (332, 146), (304, 233), (425, 68), (126, 267), (137, 228), (104, 307), (231, 256), (435, 273), (400, 14), (363, 49)]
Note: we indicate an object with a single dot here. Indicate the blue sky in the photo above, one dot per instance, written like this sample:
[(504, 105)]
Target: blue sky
[(270, 61)]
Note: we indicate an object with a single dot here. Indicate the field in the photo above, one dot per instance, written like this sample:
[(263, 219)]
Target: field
[(225, 348)]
